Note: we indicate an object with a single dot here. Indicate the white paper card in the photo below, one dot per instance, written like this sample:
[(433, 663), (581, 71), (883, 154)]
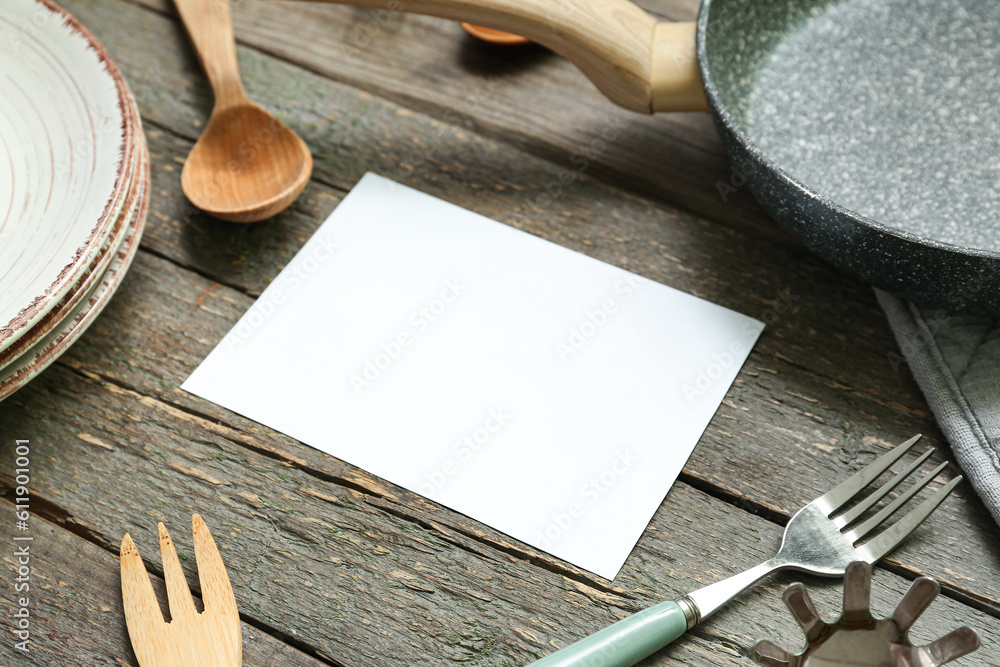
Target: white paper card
[(542, 392)]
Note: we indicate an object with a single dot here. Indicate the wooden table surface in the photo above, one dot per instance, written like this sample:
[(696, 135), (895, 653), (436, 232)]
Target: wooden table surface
[(332, 566)]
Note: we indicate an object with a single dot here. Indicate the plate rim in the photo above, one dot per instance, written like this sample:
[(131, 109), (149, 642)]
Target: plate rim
[(100, 236), (97, 268), (44, 353)]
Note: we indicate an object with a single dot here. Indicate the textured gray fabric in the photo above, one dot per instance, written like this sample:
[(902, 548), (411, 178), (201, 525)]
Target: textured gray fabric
[(956, 361)]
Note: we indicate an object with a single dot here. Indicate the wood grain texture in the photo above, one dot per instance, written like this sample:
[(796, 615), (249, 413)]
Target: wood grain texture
[(637, 63), (812, 310), (360, 572), (189, 638), (367, 576), (610, 41), (75, 599), (209, 24), (820, 395), (541, 104), (675, 81), (778, 461), (247, 165)]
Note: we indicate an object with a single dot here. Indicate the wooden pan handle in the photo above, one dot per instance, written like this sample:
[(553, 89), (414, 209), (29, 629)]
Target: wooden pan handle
[(637, 62)]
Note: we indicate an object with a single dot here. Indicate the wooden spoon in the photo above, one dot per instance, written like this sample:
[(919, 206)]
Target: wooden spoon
[(494, 36), (247, 165)]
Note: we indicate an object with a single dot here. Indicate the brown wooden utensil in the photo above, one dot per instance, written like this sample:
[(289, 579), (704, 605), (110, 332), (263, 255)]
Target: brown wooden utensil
[(494, 36), (247, 165), (211, 638), (888, 172)]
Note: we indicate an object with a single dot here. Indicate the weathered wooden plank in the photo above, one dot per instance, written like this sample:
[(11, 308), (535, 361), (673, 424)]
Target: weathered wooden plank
[(778, 441), (819, 319), (527, 97), (74, 595), (353, 576), (776, 408), (833, 397), (363, 579)]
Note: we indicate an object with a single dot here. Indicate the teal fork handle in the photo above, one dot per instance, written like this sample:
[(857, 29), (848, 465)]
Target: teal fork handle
[(626, 642)]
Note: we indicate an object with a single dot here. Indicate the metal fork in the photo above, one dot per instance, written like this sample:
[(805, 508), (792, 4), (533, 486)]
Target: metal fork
[(817, 540), (211, 638)]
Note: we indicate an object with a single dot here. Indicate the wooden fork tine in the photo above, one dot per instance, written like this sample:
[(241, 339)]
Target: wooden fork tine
[(142, 611), (213, 637), (178, 593), (137, 590), (216, 591)]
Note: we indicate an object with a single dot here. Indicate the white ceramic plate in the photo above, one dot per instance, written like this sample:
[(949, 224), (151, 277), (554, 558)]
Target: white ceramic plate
[(67, 149), (95, 273), (46, 350)]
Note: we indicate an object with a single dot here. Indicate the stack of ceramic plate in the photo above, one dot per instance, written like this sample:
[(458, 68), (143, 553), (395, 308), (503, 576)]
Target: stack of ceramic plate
[(74, 185)]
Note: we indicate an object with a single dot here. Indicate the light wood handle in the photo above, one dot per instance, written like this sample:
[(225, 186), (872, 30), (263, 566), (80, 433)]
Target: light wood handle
[(675, 82), (635, 61), (211, 29)]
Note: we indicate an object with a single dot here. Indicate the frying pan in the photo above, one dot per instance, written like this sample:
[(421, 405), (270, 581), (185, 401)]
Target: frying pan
[(866, 128)]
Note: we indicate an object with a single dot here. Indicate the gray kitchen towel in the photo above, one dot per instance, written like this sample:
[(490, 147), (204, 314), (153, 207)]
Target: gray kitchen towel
[(956, 361)]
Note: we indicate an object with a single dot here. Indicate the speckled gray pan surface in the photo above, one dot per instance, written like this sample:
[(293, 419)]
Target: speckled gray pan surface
[(871, 130)]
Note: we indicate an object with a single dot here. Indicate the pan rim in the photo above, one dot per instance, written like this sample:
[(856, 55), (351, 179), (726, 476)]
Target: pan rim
[(719, 109)]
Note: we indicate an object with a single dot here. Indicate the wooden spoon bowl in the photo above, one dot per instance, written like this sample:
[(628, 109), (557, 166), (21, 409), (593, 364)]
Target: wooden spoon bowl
[(494, 36), (246, 166)]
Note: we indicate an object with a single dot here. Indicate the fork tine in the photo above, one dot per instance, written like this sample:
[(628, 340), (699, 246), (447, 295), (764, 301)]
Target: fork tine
[(216, 592), (852, 515), (835, 498), (893, 507), (893, 535), (141, 607), (178, 593), (142, 612)]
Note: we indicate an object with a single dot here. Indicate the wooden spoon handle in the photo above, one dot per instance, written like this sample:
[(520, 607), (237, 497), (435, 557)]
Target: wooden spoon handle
[(635, 61), (211, 29)]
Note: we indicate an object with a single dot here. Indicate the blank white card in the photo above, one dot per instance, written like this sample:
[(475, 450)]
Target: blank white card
[(542, 392)]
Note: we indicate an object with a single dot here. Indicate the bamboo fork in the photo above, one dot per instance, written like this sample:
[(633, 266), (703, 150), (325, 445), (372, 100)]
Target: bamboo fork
[(211, 638)]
